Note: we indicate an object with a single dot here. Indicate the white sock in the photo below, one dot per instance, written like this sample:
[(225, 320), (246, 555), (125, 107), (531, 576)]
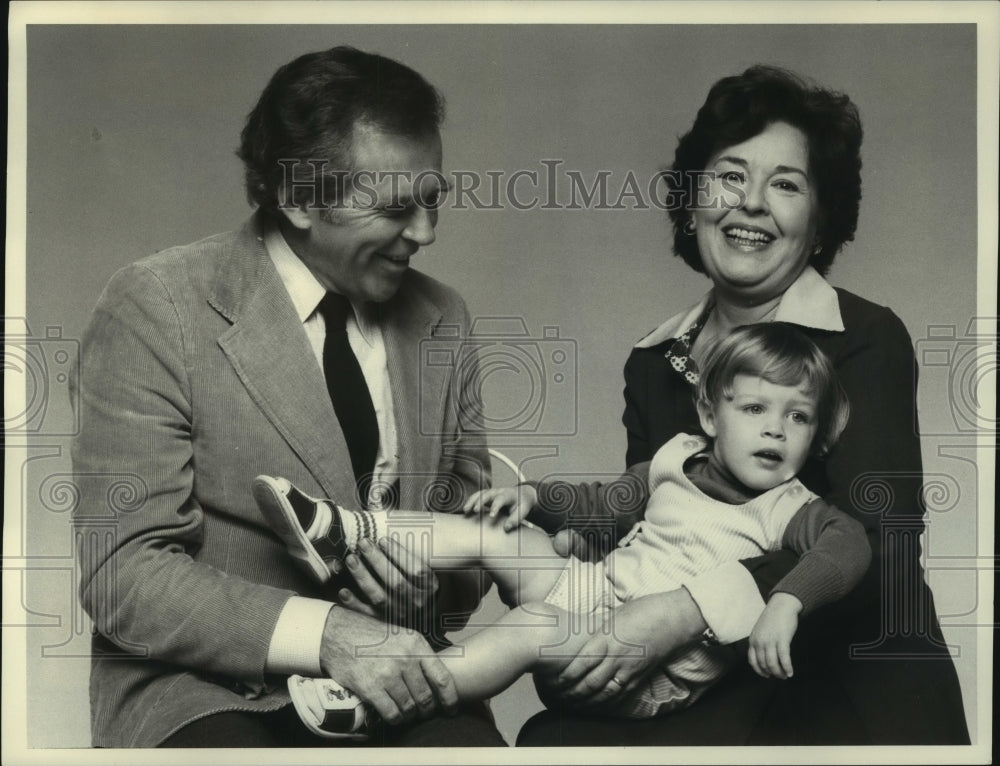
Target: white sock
[(357, 525)]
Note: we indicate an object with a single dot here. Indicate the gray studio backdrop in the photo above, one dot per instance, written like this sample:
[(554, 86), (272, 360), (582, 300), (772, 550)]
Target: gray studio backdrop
[(131, 132)]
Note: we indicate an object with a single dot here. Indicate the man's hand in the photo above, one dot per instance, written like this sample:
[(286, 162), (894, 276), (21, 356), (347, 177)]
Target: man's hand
[(396, 582), (643, 633), (393, 670), (771, 639), (516, 501)]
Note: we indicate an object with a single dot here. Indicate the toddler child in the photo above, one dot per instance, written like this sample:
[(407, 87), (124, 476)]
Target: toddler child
[(767, 400)]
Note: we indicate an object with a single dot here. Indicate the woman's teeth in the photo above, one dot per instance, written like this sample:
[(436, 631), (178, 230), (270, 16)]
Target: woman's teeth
[(747, 237)]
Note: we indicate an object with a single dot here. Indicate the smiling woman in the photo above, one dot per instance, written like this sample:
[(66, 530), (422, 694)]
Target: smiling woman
[(754, 251), (785, 157)]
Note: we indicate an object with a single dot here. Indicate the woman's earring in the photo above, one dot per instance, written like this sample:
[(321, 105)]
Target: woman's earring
[(817, 249), (688, 227)]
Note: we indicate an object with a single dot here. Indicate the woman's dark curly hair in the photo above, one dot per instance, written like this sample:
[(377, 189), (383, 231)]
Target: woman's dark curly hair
[(741, 107), (306, 117)]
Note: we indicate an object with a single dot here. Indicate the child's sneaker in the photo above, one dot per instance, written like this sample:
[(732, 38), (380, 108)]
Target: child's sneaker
[(311, 528), (329, 710)]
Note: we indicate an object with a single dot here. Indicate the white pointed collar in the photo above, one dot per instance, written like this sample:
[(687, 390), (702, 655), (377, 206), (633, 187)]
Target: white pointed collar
[(810, 301), (303, 288)]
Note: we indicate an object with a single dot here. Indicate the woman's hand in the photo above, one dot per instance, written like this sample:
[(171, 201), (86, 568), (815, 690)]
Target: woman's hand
[(771, 639), (639, 636), (516, 501)]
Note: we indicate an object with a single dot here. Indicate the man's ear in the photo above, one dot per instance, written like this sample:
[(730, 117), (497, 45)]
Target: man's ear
[(706, 416), (297, 215)]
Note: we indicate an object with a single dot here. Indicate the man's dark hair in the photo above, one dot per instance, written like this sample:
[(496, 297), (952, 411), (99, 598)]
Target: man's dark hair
[(743, 106), (308, 112)]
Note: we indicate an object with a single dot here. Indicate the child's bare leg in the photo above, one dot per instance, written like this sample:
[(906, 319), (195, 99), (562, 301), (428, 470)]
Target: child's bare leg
[(319, 535), (521, 562), (527, 638), (530, 637)]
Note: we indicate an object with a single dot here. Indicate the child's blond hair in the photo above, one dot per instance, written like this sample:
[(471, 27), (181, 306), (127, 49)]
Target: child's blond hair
[(781, 354)]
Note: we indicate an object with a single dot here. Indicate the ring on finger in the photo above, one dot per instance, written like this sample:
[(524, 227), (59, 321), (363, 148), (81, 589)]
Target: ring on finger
[(616, 682)]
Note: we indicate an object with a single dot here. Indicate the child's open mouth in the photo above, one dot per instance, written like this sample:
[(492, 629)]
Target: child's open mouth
[(769, 457)]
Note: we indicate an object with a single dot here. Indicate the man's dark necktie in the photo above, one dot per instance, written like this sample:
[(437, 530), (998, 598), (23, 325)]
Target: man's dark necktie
[(352, 401)]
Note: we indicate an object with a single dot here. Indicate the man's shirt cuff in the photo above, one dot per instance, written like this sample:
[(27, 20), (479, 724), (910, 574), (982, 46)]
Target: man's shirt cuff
[(728, 599), (297, 637)]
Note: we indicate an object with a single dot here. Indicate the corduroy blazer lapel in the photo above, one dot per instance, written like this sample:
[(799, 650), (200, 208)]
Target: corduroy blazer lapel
[(271, 355), (418, 391)]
